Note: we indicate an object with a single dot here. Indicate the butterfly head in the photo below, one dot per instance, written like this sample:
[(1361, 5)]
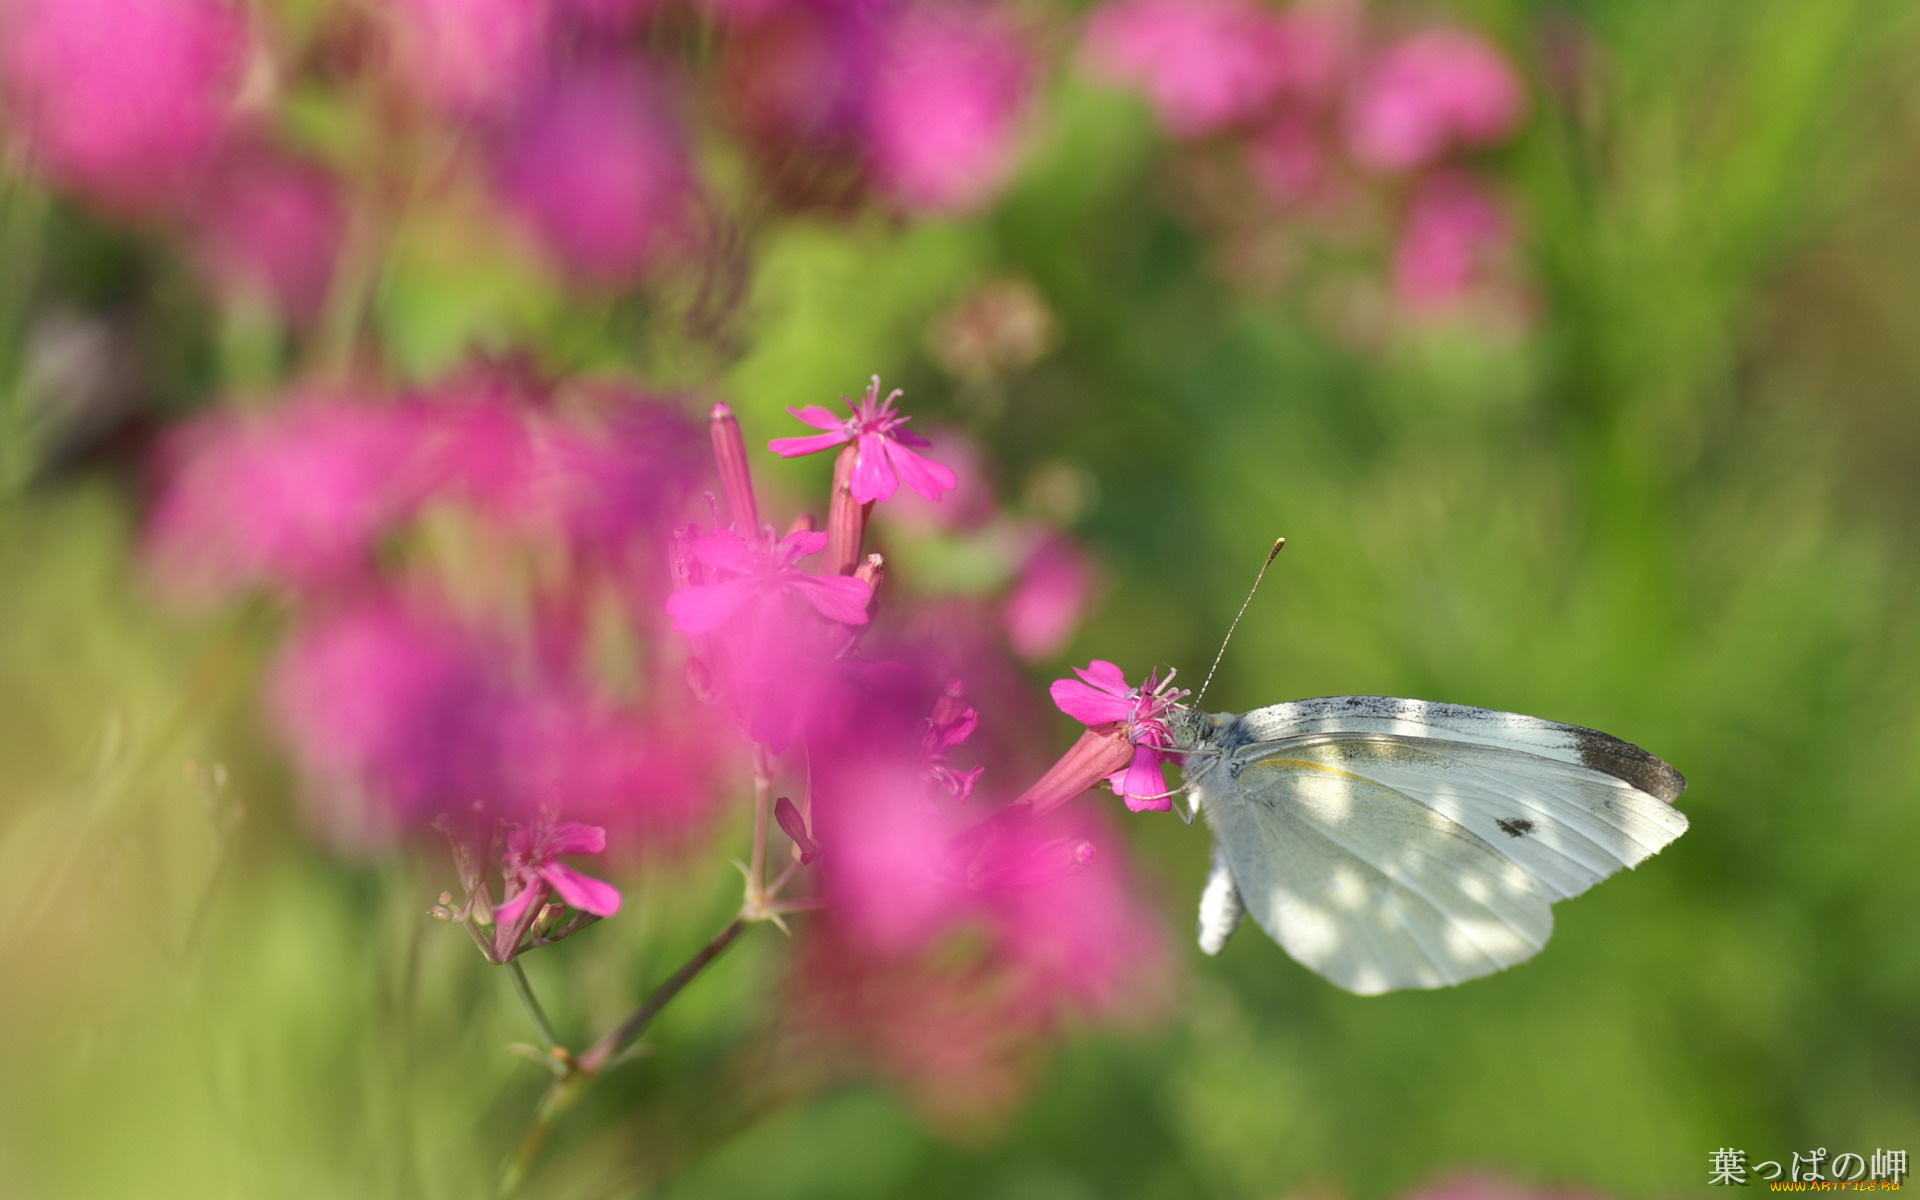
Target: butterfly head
[(1191, 728)]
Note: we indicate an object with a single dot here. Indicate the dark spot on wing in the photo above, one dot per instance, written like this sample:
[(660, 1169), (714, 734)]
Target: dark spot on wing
[(1628, 763), (1515, 826)]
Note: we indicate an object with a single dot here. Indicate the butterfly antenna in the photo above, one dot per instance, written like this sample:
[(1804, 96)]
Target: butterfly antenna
[(1278, 545)]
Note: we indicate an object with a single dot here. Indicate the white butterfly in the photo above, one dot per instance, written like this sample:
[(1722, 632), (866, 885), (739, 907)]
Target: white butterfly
[(1404, 844)]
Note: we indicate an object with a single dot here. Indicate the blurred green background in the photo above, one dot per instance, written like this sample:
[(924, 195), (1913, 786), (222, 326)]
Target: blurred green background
[(1683, 510)]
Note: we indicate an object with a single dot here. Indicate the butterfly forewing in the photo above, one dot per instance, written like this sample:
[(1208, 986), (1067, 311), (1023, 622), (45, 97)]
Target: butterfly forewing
[(1567, 826)]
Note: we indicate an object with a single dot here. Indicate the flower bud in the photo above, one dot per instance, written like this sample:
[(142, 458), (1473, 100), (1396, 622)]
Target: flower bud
[(736, 481), (846, 517)]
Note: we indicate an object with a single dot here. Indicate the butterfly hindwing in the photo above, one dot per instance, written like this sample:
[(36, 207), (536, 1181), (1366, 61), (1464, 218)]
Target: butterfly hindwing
[(1369, 888), (1395, 843)]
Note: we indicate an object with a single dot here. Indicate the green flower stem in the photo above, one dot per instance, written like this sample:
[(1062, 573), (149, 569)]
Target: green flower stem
[(580, 1073), (616, 1039), (532, 1003)]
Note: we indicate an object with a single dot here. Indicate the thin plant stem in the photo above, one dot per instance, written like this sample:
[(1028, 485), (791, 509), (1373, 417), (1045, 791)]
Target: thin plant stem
[(580, 1073), (532, 1003), (617, 1038), (762, 808)]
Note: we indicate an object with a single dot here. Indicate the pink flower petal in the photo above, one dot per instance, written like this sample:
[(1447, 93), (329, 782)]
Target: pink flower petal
[(582, 891), (706, 607), (1089, 706), (574, 837), (840, 598), (726, 551), (821, 418), (1144, 783), (873, 473), (923, 475), (797, 546), (520, 842), (1105, 676), (509, 914), (794, 447)]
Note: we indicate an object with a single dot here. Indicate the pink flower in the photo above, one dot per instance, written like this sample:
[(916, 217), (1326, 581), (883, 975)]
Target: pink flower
[(610, 16), (597, 170), (796, 79), (944, 110), (125, 100), (392, 712), (883, 447), (471, 57), (296, 496), (1208, 64), (762, 572), (1455, 230), (270, 226), (1428, 93), (1048, 599), (1287, 160), (1071, 919), (646, 773), (1101, 697), (494, 441), (531, 874)]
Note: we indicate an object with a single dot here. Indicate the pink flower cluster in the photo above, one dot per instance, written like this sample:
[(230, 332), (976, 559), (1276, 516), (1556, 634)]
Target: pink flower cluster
[(864, 719), (426, 679), (576, 117), (140, 107), (410, 686), (923, 102), (1323, 112)]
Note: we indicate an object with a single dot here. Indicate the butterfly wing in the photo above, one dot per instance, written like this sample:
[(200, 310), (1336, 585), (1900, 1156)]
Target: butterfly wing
[(1422, 845)]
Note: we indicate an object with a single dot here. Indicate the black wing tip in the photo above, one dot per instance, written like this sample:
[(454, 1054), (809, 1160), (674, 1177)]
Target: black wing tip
[(1629, 764)]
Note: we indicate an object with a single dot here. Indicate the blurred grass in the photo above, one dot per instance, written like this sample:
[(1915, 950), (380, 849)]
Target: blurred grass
[(1684, 513)]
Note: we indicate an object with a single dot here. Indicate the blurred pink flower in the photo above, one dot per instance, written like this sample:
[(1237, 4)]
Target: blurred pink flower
[(123, 100), (760, 573), (530, 872), (1049, 597), (1424, 95), (947, 99), (621, 478), (598, 171), (1455, 232), (796, 74), (270, 226), (296, 496), (885, 848), (471, 57), (969, 505), (391, 709), (950, 723), (642, 772), (1101, 697), (610, 16), (1287, 159), (946, 968), (1072, 918), (1208, 64), (883, 445), (492, 439)]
